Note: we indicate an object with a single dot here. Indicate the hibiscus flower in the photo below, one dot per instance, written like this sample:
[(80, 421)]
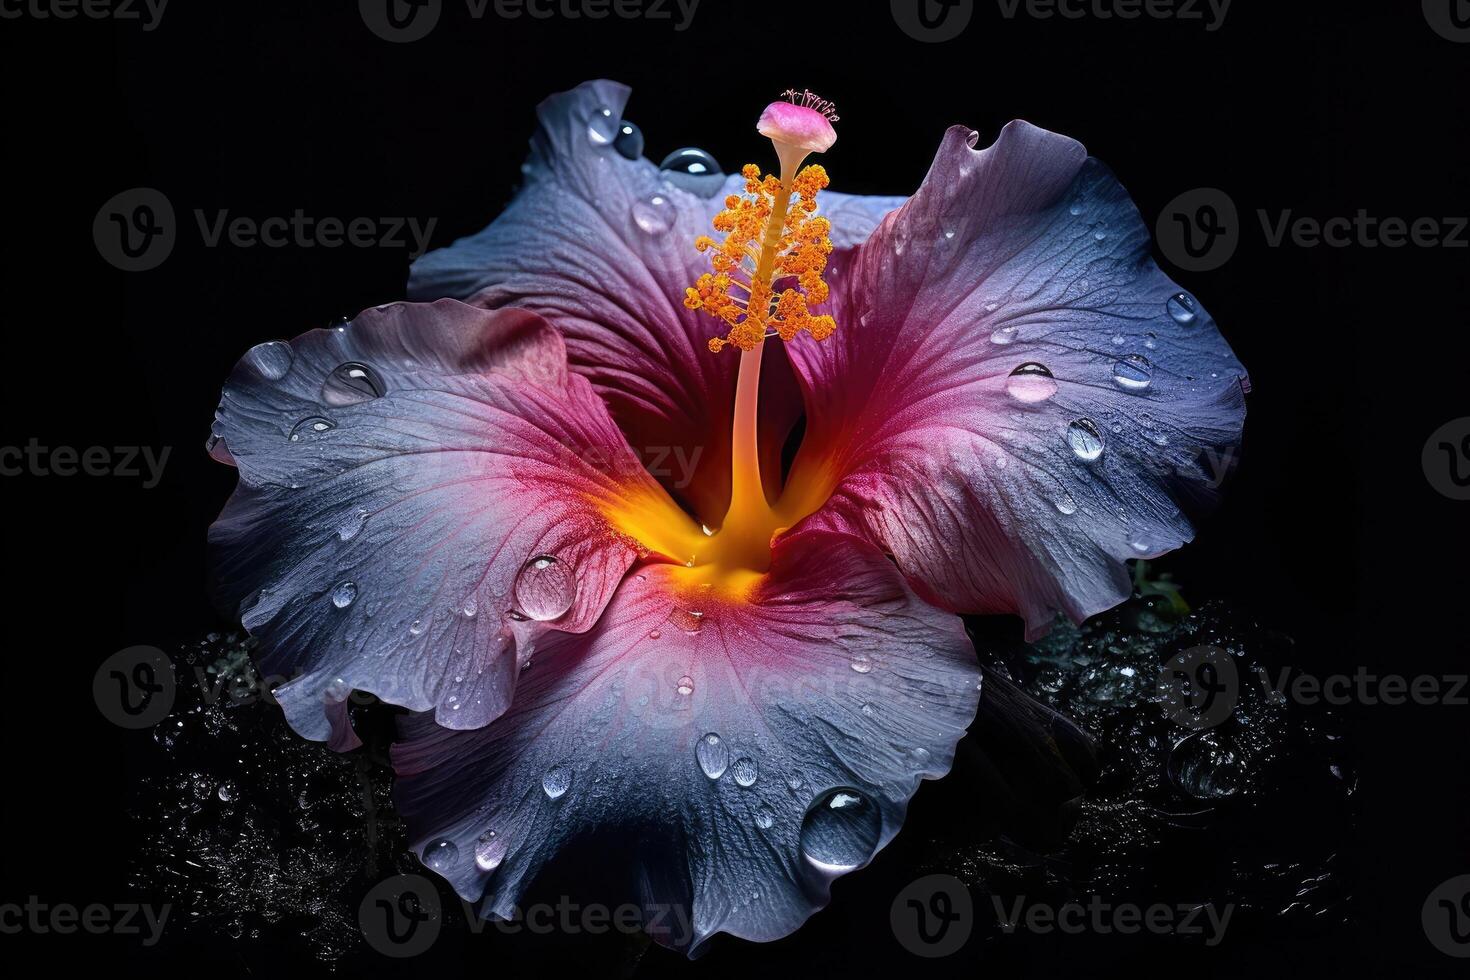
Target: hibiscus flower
[(548, 513)]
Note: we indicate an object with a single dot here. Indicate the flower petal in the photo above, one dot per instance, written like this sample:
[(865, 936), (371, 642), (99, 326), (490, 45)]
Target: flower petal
[(405, 482), (603, 247), (759, 751), (1014, 401)]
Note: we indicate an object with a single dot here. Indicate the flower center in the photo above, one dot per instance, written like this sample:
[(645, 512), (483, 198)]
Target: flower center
[(765, 274)]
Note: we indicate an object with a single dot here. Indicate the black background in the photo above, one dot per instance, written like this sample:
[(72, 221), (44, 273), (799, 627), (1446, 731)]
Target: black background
[(1329, 531)]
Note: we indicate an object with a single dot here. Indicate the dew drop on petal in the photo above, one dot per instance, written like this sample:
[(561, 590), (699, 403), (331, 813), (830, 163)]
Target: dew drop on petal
[(684, 685), (556, 781), (712, 755), (1004, 335), (1133, 373), (441, 855), (489, 851), (744, 771), (841, 831), (272, 360), (309, 428), (351, 384), (692, 169), (602, 127), (1031, 383), (862, 663), (352, 525), (1182, 308), (545, 589), (653, 214), (629, 141), (764, 818), (1085, 440), (344, 595)]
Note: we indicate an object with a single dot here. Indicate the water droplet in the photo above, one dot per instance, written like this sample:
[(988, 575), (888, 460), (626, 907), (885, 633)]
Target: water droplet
[(1182, 308), (1066, 505), (712, 755), (545, 589), (655, 634), (685, 685), (691, 621), (272, 360), (862, 664), (1085, 440), (1150, 341), (344, 595), (744, 771), (351, 384), (351, 525), (416, 628), (629, 141), (1133, 373), (973, 139), (489, 851), (1139, 545), (869, 710), (1099, 233), (693, 170), (1206, 765), (602, 127), (556, 781), (764, 818), (653, 214), (1004, 335), (337, 690), (226, 792), (1075, 209), (470, 607), (841, 831), (1031, 383), (441, 855), (308, 429)]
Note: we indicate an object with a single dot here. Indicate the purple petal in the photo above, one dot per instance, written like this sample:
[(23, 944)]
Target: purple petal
[(763, 748), (1015, 400), (417, 500)]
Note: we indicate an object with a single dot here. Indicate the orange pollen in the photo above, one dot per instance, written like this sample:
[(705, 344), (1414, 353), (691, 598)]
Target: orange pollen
[(771, 233)]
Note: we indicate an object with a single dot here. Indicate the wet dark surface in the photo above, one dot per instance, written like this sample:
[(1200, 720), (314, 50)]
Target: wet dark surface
[(1230, 822)]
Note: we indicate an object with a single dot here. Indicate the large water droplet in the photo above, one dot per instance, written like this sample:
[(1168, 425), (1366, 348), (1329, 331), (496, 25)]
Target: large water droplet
[(684, 685), (308, 429), (629, 141), (602, 127), (272, 360), (693, 170), (1031, 383), (691, 621), (1004, 335), (545, 588), (654, 215), (352, 383), (1133, 373), (744, 771), (712, 755), (1182, 308), (557, 781), (1085, 440), (344, 595), (489, 851), (1207, 766), (352, 525), (441, 855), (862, 663), (765, 817), (841, 831)]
